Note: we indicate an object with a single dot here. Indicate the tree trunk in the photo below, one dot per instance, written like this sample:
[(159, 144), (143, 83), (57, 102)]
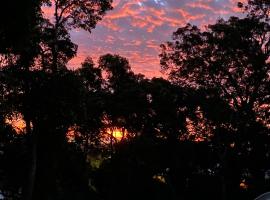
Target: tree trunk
[(30, 182), (29, 190), (223, 188)]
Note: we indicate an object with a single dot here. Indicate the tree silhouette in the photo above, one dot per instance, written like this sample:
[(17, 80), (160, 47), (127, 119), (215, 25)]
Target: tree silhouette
[(69, 14), (19, 33), (203, 133), (229, 58), (47, 106)]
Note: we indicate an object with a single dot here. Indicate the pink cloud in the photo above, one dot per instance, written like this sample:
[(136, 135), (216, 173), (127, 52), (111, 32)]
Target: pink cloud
[(202, 5), (136, 28)]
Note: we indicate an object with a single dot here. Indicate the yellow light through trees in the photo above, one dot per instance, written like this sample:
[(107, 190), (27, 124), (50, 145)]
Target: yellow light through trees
[(107, 135), (159, 178), (243, 185), (117, 133), (71, 133), (17, 122), (111, 133)]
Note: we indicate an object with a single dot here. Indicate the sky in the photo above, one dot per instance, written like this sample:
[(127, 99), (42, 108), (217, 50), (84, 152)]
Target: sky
[(135, 29)]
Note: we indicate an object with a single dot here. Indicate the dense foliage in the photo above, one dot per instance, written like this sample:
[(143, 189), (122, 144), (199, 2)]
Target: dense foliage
[(203, 133)]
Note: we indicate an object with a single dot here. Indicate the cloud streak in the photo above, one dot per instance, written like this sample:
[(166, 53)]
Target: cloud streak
[(135, 28)]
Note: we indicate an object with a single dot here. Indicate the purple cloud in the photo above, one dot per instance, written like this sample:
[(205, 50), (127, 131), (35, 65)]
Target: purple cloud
[(135, 29)]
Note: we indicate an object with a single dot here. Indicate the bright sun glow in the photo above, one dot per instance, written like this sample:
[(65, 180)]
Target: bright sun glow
[(117, 133)]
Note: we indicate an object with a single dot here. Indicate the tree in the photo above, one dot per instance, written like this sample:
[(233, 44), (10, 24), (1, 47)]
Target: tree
[(18, 34), (90, 121), (56, 105), (46, 45), (257, 8), (167, 107), (230, 58), (69, 14), (19, 38)]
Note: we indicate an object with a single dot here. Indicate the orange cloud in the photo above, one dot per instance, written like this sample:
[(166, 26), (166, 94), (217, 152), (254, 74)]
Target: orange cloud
[(202, 5), (135, 28)]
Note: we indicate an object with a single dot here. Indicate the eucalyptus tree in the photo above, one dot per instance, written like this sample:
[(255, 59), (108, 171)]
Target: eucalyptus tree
[(19, 39), (90, 121), (29, 42), (57, 46), (229, 61), (19, 33)]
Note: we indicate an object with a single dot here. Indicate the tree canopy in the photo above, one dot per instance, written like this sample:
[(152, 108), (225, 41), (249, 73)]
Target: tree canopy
[(102, 131)]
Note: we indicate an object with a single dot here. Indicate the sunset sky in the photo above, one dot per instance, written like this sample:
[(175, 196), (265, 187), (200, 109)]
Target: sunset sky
[(135, 29)]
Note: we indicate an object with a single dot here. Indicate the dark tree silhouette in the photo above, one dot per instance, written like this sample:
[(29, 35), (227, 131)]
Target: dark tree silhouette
[(68, 14), (201, 134), (19, 33), (231, 59), (42, 45)]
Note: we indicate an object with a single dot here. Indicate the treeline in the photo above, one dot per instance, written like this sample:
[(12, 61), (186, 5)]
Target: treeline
[(203, 133)]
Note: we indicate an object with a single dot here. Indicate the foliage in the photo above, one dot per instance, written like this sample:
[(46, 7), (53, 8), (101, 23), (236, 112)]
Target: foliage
[(203, 133)]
